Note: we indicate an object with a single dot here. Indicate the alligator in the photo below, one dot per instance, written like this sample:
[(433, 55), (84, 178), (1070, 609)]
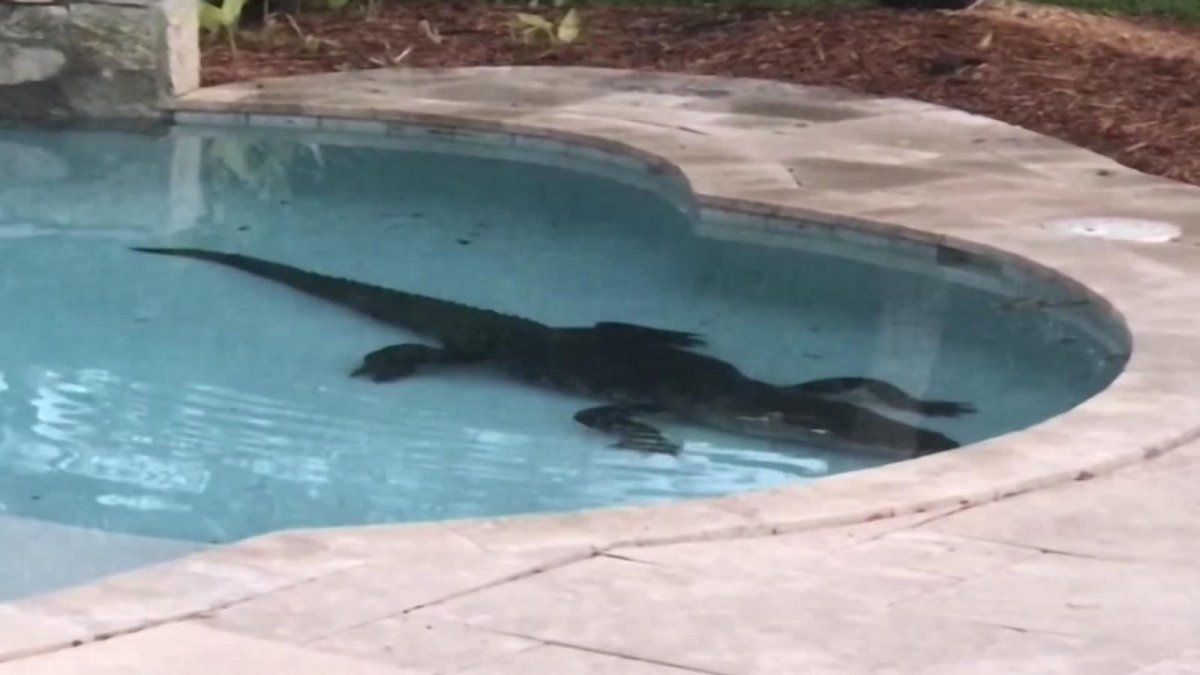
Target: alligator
[(638, 371)]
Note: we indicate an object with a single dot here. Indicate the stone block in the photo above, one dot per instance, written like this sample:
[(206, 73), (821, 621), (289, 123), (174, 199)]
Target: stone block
[(43, 26), (180, 21), (33, 100), (113, 93), (19, 64), (108, 38), (99, 60)]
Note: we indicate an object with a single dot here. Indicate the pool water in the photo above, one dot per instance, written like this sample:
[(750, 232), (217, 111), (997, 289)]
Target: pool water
[(180, 400)]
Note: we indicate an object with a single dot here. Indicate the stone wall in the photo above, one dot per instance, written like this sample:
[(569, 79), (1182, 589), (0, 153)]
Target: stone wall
[(66, 60)]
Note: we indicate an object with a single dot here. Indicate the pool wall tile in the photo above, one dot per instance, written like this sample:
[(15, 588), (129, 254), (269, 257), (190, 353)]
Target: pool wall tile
[(282, 121), (209, 118), (340, 125)]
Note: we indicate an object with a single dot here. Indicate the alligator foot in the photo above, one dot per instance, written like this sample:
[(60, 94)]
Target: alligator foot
[(634, 435), (867, 391), (399, 361)]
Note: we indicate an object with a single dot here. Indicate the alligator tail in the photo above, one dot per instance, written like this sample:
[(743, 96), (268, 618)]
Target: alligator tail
[(398, 308)]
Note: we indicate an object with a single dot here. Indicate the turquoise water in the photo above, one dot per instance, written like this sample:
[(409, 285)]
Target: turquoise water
[(180, 400)]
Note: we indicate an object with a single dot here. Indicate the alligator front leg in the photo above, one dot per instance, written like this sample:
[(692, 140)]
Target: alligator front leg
[(867, 390), (634, 435), (398, 361)]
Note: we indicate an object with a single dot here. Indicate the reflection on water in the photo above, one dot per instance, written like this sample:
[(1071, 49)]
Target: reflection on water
[(176, 399), (91, 449)]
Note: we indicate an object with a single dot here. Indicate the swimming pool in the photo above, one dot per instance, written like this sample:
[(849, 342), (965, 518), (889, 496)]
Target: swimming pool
[(180, 400)]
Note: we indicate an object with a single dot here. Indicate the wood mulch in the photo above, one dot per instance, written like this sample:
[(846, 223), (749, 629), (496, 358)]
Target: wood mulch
[(1123, 88)]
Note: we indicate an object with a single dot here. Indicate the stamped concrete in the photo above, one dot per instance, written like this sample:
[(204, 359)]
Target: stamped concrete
[(1064, 548)]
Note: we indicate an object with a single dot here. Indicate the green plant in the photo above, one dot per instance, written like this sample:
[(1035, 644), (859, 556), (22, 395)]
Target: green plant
[(532, 27), (214, 19)]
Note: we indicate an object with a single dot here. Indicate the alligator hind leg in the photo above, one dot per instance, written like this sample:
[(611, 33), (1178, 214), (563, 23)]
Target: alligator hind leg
[(867, 390), (399, 361), (634, 435)]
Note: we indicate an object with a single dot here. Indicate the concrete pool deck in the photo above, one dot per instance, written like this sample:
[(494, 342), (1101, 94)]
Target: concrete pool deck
[(1067, 547)]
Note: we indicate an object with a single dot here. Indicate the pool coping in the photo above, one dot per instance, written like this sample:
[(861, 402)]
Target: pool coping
[(738, 144)]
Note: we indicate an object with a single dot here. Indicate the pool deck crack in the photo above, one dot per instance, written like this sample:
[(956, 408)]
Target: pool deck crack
[(520, 575), (1021, 629), (507, 579), (1048, 550), (594, 650), (933, 518), (101, 636)]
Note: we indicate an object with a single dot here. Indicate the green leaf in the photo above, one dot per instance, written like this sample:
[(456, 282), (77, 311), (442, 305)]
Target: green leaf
[(211, 18), (233, 11), (568, 28)]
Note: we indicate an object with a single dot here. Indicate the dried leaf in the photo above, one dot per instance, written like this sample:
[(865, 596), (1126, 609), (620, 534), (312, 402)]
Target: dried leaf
[(295, 26), (402, 55), (430, 32), (534, 21)]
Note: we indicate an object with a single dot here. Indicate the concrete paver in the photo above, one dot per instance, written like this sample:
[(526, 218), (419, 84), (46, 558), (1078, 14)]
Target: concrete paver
[(566, 661), (188, 649), (912, 552), (1154, 605), (1185, 663), (345, 599), (749, 625), (24, 633), (426, 644), (1145, 513)]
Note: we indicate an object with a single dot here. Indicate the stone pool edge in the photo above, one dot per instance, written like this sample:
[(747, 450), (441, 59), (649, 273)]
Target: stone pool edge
[(732, 159)]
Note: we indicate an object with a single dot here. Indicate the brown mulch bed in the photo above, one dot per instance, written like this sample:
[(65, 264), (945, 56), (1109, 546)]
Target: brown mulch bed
[(1126, 89)]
